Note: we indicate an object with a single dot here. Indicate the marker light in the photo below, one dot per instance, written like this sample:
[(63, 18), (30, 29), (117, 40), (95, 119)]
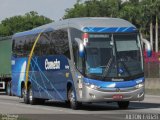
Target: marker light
[(85, 38), (85, 35), (140, 85)]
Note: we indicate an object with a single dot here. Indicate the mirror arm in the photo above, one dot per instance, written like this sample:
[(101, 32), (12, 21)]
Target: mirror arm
[(148, 46)]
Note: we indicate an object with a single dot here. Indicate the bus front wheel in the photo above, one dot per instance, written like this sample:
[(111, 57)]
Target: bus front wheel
[(123, 104), (72, 100)]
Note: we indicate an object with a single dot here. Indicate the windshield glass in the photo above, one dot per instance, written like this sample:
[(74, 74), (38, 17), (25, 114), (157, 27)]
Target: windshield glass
[(113, 55)]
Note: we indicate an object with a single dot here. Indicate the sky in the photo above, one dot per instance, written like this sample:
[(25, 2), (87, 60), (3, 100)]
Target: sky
[(54, 9)]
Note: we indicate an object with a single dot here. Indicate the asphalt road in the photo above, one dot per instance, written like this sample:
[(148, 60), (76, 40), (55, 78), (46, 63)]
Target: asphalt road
[(11, 105)]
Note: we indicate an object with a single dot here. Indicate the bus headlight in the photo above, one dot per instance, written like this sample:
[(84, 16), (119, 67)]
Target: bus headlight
[(92, 86), (140, 85)]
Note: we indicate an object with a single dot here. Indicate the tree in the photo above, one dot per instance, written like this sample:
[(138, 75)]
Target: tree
[(79, 10), (151, 10), (94, 8), (30, 20), (157, 14), (147, 13), (4, 30)]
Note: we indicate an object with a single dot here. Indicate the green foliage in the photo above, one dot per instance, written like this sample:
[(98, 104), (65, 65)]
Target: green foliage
[(30, 20), (4, 30), (94, 8)]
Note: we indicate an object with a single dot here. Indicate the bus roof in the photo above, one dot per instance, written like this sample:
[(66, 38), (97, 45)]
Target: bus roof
[(86, 24)]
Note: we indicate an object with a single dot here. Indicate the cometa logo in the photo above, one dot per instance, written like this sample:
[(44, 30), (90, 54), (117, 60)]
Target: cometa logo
[(52, 65)]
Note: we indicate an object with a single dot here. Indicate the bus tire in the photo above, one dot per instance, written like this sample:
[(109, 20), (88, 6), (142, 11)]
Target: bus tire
[(72, 100), (123, 104), (32, 100), (26, 97), (8, 89), (40, 101), (22, 92)]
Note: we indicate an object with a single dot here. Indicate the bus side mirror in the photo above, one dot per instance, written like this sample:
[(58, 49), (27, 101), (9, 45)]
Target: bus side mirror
[(148, 47), (81, 50), (80, 47)]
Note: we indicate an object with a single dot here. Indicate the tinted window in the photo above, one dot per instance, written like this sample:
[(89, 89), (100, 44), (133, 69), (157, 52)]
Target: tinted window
[(49, 43), (52, 43), (61, 42), (43, 46), (22, 45)]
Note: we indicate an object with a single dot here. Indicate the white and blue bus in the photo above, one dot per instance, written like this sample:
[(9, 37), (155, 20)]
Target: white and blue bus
[(79, 60)]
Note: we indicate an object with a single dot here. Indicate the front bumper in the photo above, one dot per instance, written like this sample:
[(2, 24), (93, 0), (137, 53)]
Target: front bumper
[(129, 94)]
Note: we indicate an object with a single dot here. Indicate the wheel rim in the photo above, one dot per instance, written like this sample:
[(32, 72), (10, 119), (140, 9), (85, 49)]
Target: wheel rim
[(72, 97), (23, 92), (8, 89), (30, 95)]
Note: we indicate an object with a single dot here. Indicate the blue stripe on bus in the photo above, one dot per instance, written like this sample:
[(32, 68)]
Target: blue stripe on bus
[(122, 84), (109, 29)]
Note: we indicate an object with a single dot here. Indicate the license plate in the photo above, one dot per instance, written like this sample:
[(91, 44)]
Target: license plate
[(117, 97)]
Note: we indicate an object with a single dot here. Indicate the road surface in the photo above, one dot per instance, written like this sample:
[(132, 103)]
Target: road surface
[(11, 105)]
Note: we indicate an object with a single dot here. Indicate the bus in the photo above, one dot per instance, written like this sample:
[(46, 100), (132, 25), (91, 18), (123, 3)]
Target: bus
[(79, 60)]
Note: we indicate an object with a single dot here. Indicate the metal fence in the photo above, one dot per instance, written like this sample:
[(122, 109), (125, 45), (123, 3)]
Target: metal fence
[(152, 69)]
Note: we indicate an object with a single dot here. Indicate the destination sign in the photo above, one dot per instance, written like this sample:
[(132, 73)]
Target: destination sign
[(99, 36)]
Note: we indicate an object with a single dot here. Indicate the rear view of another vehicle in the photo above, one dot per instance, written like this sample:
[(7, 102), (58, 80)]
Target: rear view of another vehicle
[(5, 65)]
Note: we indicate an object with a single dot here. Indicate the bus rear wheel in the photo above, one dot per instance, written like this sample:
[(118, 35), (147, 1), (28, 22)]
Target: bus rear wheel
[(32, 100), (22, 92), (26, 97), (8, 89), (123, 104), (72, 100)]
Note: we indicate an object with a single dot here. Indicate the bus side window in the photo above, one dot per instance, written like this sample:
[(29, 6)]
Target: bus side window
[(77, 58), (79, 62), (66, 44), (60, 42), (13, 49), (18, 47)]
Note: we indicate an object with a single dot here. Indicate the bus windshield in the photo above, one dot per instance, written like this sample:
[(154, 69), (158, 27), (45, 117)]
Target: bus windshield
[(113, 55)]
